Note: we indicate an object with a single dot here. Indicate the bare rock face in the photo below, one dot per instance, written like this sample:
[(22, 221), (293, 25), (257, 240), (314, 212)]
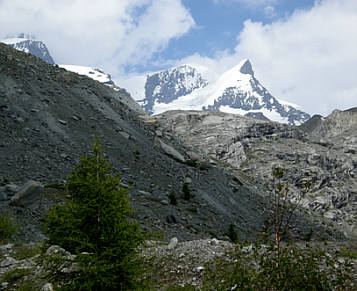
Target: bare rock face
[(338, 122), (323, 150)]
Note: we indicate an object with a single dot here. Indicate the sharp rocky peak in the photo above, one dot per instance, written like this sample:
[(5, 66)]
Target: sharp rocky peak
[(246, 67)]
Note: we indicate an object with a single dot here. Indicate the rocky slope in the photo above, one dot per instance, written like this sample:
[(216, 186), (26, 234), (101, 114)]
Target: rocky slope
[(236, 91), (322, 150), (48, 117)]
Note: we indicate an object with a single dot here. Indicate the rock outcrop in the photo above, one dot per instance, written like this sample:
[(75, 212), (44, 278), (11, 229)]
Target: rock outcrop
[(322, 150)]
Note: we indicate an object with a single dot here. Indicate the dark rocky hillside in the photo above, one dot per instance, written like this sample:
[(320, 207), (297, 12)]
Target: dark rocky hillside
[(48, 118)]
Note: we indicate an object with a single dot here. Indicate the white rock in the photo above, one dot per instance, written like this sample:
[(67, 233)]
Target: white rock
[(47, 287), (3, 285), (247, 249), (9, 261), (173, 243), (199, 269)]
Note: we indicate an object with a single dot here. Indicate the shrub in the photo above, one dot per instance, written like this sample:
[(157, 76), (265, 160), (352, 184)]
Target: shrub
[(172, 197), (93, 225), (281, 209), (4, 182), (232, 234), (191, 163), (25, 251), (14, 275), (186, 191), (7, 227), (259, 267)]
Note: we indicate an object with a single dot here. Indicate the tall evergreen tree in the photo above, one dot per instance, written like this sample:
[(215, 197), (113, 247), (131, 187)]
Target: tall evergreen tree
[(94, 225)]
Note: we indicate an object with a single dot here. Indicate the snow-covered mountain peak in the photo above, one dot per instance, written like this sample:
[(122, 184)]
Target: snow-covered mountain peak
[(242, 71), (166, 86), (235, 91), (31, 46), (95, 74), (246, 67)]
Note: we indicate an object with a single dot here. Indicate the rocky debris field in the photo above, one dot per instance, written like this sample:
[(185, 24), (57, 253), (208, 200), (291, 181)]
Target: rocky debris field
[(323, 151)]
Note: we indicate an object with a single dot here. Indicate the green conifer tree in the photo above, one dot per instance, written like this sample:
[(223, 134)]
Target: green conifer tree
[(94, 226)]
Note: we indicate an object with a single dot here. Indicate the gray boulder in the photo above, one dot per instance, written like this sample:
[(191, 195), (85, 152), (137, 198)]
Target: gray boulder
[(28, 194), (3, 195), (47, 287), (11, 189), (173, 243), (170, 151)]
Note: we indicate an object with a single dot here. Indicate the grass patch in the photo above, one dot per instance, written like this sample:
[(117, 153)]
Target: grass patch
[(347, 253), (205, 167), (24, 251), (191, 163), (28, 286), (7, 227), (14, 275), (182, 288)]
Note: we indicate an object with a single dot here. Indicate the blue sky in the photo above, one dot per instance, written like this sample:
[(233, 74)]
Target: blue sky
[(302, 51), (218, 24)]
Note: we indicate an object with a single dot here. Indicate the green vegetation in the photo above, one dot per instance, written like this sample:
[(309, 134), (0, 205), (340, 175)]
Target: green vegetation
[(273, 267), (232, 234), (94, 227), (7, 227), (258, 267), (3, 182), (351, 254), (180, 288), (25, 251), (205, 167), (14, 275), (172, 197), (281, 210), (191, 163), (186, 191)]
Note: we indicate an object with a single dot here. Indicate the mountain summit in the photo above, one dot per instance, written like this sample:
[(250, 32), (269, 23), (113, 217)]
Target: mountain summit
[(246, 68), (235, 91), (167, 86), (31, 46)]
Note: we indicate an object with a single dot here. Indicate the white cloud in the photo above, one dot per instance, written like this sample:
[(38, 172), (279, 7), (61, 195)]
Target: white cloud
[(308, 58), (269, 11), (249, 3), (90, 32)]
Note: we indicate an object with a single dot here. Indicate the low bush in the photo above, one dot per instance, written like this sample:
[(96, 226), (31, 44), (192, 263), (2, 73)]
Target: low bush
[(191, 163), (232, 234), (172, 197), (186, 191), (260, 267), (7, 227), (14, 275)]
